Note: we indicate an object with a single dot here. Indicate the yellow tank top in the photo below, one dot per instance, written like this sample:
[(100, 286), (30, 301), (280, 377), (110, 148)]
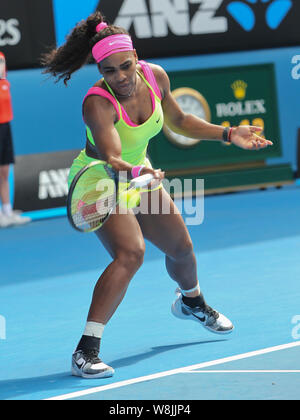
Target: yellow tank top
[(134, 138)]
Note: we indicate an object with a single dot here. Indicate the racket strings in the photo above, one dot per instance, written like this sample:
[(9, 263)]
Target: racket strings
[(93, 214), (92, 197)]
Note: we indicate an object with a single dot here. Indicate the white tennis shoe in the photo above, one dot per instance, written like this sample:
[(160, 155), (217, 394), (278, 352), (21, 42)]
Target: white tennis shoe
[(205, 315), (14, 219), (88, 365)]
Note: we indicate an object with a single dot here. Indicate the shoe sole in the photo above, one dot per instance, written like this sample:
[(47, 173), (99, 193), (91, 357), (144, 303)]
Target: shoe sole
[(79, 373)]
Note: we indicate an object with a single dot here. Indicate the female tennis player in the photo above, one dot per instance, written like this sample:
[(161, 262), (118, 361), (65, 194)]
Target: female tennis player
[(122, 112)]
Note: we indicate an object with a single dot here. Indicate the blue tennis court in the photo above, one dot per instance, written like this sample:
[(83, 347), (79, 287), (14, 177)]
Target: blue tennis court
[(248, 262)]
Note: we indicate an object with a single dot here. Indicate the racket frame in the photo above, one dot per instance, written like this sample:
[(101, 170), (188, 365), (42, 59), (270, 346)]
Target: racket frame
[(111, 174), (135, 183)]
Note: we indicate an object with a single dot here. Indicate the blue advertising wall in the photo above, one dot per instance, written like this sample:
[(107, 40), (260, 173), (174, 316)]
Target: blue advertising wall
[(47, 116)]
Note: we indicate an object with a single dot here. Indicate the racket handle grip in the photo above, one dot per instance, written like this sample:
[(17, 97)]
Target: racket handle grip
[(141, 181)]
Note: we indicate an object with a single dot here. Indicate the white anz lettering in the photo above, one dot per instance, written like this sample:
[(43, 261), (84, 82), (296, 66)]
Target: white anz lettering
[(9, 28), (53, 184), (170, 15), (135, 12), (205, 21)]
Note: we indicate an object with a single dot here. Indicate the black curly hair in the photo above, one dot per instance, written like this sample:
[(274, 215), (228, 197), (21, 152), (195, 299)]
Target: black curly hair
[(62, 62)]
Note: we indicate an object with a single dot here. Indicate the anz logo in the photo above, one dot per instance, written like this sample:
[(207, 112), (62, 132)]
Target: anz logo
[(163, 16), (155, 18), (243, 13)]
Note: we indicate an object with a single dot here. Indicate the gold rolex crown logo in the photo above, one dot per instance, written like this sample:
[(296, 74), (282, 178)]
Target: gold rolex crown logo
[(239, 88)]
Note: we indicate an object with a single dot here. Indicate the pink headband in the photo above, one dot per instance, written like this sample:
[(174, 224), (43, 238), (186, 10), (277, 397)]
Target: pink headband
[(111, 44)]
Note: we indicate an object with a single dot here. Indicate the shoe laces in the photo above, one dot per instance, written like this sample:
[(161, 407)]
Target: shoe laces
[(91, 356), (207, 310)]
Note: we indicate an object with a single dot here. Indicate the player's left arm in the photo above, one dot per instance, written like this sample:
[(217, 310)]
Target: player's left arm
[(190, 125)]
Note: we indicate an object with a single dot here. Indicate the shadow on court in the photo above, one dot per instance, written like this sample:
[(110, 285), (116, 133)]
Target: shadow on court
[(16, 388), (63, 382), (154, 351)]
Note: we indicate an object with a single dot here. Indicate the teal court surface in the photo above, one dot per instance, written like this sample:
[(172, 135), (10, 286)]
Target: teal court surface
[(247, 251)]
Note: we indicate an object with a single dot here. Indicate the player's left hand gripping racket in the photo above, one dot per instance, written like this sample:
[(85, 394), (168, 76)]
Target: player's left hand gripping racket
[(93, 195)]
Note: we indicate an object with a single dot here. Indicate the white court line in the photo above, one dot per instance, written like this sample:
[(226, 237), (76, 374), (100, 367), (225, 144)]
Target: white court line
[(172, 372), (243, 371)]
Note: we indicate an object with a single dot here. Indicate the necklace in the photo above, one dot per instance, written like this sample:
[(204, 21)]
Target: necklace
[(129, 94)]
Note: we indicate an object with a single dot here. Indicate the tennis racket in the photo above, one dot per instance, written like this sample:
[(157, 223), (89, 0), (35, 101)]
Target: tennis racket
[(94, 194)]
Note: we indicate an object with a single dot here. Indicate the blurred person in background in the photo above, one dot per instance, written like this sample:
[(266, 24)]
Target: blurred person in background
[(8, 216)]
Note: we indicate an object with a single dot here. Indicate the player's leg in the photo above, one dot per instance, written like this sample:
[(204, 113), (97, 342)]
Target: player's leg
[(122, 237), (166, 229), (169, 233)]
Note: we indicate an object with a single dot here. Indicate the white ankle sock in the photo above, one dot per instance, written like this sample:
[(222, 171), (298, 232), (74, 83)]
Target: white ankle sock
[(7, 209), (184, 292), (94, 329)]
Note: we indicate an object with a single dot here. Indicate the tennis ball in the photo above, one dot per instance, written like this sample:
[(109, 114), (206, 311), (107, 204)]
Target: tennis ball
[(129, 199)]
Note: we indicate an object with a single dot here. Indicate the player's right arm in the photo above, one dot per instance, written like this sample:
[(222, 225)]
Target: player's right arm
[(100, 117)]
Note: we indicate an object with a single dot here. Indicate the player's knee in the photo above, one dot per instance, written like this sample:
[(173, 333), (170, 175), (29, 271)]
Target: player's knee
[(182, 250), (132, 257)]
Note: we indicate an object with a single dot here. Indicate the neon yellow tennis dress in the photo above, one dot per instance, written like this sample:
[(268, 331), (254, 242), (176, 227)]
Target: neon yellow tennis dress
[(134, 138)]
